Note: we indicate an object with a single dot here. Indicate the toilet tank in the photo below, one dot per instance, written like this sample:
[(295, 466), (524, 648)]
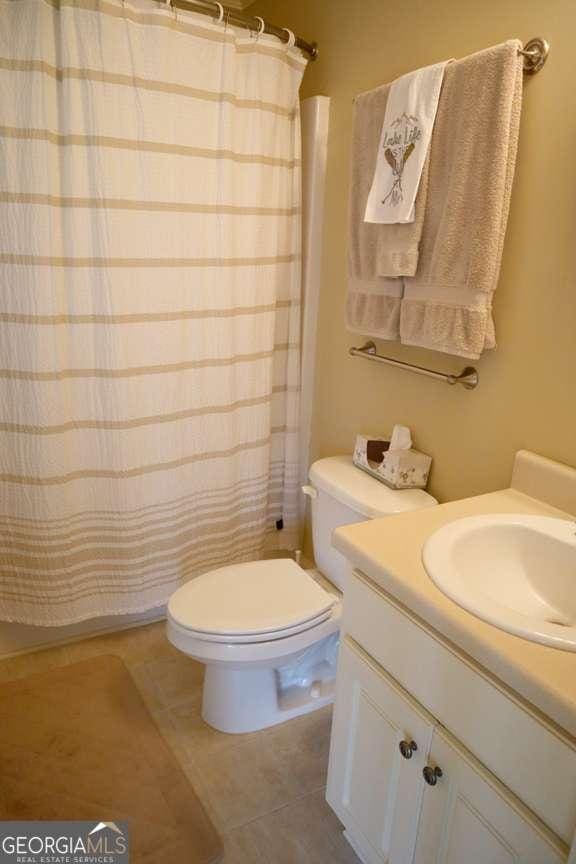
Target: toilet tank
[(342, 494)]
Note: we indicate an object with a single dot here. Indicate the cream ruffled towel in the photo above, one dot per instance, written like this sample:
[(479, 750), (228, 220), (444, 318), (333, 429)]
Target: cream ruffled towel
[(446, 263), (447, 305), (376, 252)]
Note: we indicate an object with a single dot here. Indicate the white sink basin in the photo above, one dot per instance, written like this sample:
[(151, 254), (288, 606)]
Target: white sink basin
[(516, 572)]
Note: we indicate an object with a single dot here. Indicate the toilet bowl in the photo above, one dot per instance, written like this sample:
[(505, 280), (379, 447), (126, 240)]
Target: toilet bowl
[(268, 631)]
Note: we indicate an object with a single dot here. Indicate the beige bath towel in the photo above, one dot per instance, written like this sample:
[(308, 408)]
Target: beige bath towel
[(376, 252), (447, 305)]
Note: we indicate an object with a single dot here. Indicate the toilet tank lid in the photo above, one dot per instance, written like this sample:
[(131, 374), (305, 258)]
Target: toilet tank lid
[(340, 478)]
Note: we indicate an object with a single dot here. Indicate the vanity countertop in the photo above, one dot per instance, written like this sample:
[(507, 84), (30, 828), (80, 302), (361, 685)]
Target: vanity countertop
[(389, 551)]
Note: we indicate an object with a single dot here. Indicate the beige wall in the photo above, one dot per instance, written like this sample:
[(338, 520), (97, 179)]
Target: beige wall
[(527, 394)]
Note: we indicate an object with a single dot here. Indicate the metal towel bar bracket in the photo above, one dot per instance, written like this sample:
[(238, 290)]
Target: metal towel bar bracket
[(535, 54), (468, 377)]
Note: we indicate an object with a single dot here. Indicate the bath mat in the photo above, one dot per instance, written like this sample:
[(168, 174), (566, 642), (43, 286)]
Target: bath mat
[(78, 743)]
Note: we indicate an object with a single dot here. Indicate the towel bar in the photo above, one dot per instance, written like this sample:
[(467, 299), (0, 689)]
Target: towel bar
[(468, 377)]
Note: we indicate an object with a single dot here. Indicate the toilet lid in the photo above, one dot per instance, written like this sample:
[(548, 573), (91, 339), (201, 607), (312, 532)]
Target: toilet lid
[(250, 600)]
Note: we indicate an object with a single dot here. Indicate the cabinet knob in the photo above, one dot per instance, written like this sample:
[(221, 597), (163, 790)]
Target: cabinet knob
[(431, 775), (407, 748)]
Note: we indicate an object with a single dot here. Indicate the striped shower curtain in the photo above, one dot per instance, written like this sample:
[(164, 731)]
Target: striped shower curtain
[(149, 303)]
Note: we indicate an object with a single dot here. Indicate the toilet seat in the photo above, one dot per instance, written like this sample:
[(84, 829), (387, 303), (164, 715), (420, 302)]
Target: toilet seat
[(266, 636), (260, 601), (256, 652)]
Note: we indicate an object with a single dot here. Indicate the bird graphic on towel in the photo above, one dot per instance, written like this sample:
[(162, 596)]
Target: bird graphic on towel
[(400, 141)]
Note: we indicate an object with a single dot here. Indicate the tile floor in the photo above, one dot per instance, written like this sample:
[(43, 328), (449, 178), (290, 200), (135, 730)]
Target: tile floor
[(264, 791)]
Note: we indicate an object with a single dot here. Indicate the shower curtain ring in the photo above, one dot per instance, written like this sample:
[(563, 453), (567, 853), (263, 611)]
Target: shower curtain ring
[(291, 41), (220, 13), (261, 26)]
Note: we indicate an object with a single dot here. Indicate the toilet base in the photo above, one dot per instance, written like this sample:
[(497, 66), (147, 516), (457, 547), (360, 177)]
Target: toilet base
[(237, 700)]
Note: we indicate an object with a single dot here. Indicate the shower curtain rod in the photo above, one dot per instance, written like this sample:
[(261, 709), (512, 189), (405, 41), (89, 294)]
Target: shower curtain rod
[(249, 22)]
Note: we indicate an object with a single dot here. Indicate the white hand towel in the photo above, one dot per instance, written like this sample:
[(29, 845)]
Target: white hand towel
[(404, 141)]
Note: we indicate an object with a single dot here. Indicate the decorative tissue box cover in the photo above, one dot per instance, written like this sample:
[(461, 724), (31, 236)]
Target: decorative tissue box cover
[(399, 469)]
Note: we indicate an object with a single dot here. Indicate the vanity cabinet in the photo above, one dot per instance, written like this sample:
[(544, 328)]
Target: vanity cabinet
[(373, 787), (406, 788)]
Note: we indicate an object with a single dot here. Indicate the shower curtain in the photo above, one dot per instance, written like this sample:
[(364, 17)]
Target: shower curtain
[(149, 303)]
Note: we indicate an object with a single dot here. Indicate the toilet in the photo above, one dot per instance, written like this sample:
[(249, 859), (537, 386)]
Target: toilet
[(268, 631)]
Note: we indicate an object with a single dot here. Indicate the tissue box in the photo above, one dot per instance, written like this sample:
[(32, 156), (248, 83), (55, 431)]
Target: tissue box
[(405, 469), (398, 468)]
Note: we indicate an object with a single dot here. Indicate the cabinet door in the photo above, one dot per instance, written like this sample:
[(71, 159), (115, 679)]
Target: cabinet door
[(468, 817), (375, 790)]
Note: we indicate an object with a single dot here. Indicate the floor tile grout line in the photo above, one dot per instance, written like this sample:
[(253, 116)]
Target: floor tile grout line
[(263, 735), (274, 810)]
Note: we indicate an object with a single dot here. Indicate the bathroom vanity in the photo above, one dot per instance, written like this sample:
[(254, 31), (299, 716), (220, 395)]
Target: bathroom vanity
[(453, 741)]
